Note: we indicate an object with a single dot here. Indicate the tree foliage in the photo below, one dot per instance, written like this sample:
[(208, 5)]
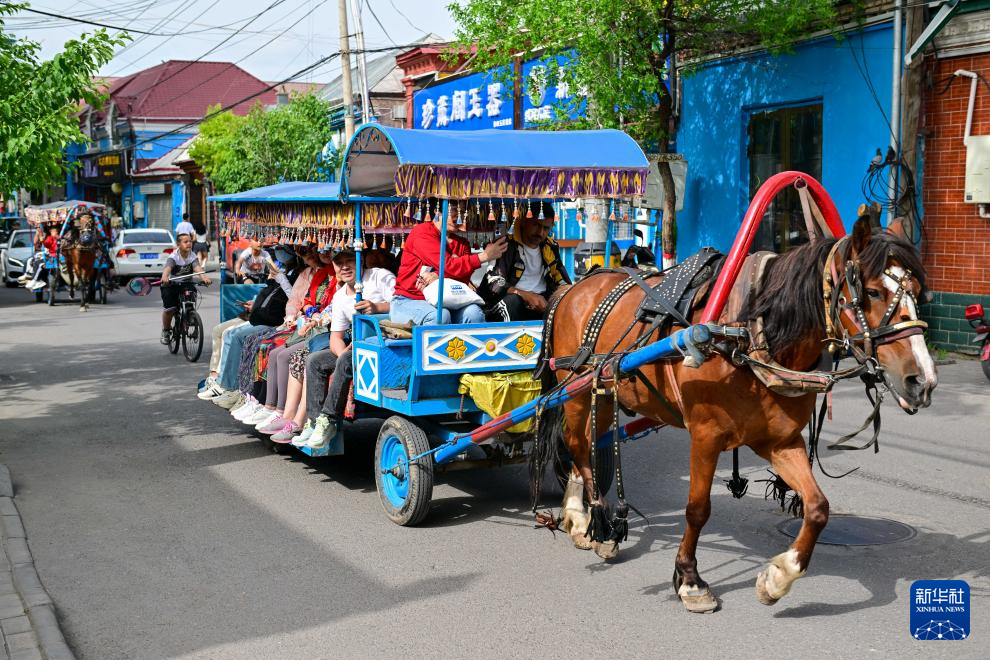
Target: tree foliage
[(269, 145), (39, 100), (618, 53)]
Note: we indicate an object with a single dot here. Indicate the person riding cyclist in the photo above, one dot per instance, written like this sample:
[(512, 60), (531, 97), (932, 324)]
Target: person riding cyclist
[(182, 262)]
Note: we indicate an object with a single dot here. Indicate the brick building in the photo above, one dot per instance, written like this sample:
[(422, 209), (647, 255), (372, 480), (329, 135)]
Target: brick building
[(956, 239)]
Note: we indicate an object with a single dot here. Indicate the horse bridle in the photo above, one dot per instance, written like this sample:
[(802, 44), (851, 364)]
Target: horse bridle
[(837, 306)]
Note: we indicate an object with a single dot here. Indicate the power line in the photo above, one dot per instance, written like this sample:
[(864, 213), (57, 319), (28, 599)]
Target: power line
[(301, 72), (233, 64), (375, 16), (399, 12), (200, 58), (75, 19)]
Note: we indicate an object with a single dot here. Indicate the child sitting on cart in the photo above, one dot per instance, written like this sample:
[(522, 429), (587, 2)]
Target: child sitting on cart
[(181, 263)]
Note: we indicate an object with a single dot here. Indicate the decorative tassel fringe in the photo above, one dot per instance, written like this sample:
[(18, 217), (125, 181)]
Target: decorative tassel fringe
[(620, 523), (599, 528), (777, 490)]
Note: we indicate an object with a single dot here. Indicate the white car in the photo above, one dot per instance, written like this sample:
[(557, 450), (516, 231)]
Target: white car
[(14, 255), (142, 252)]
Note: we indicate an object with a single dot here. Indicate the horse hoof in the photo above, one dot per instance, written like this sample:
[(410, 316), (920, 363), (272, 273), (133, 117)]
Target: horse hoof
[(607, 550), (762, 593), (582, 542), (698, 600)]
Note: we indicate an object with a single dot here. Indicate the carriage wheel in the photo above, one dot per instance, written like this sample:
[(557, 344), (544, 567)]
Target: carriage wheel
[(173, 342), (52, 285), (192, 338), (604, 468), (405, 490)]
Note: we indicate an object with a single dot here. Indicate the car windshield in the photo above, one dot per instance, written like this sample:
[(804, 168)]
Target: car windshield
[(145, 237), (22, 239)]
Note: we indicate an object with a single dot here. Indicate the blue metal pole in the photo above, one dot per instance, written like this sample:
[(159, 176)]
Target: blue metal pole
[(445, 206), (358, 246), (608, 238), (668, 347)]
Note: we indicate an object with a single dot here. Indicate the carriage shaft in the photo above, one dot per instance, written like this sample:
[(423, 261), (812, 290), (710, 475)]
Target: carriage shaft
[(669, 347)]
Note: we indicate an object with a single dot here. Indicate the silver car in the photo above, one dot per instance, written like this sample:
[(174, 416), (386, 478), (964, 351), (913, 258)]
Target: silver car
[(142, 252), (14, 255)]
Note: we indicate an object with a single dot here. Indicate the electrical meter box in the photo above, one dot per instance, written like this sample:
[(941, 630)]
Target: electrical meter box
[(978, 170), (654, 187)]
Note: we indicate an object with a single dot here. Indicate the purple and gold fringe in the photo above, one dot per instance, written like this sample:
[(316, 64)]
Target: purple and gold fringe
[(471, 182)]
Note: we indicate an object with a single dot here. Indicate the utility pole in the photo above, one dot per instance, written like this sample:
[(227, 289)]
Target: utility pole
[(362, 65), (895, 110), (345, 71)]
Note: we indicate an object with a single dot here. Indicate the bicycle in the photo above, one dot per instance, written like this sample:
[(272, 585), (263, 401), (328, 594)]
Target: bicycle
[(187, 326)]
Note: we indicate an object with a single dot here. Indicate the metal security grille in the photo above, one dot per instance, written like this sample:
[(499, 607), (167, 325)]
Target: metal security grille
[(160, 211)]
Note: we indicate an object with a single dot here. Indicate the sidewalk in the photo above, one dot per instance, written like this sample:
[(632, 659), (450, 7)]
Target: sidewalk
[(27, 616)]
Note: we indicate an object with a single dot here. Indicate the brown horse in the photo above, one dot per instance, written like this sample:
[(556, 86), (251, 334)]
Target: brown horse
[(79, 250), (724, 406)]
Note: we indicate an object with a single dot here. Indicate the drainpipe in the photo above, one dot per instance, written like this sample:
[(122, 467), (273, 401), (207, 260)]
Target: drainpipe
[(895, 106)]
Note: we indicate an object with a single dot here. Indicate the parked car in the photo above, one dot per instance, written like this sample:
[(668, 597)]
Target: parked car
[(141, 252), (14, 255)]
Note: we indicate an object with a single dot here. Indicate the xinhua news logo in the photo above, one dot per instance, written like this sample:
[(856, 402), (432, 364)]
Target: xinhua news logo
[(939, 610)]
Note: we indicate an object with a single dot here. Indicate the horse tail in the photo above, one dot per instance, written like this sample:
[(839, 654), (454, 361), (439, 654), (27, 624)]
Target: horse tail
[(550, 421)]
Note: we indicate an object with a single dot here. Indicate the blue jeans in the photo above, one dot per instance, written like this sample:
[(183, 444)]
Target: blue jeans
[(421, 312), (233, 342)]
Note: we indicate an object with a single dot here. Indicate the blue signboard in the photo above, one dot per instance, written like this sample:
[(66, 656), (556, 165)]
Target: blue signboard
[(541, 99), (467, 103)]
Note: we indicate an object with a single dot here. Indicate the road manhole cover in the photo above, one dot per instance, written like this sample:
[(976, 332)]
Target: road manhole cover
[(845, 529)]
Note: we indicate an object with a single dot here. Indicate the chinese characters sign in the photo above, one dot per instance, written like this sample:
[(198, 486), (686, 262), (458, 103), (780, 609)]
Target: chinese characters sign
[(939, 610), (468, 103)]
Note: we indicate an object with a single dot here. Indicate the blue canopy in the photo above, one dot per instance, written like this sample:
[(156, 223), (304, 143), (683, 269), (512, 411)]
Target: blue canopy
[(290, 191), (382, 160)]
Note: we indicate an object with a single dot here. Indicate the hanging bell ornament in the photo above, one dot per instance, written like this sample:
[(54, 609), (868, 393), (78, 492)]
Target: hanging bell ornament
[(529, 210)]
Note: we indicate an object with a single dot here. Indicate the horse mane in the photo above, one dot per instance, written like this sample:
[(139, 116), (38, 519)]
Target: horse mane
[(790, 296)]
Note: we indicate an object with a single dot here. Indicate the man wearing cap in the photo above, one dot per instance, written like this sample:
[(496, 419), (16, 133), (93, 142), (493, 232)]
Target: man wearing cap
[(523, 279)]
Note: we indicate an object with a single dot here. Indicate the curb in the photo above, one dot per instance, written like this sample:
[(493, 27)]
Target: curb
[(38, 605)]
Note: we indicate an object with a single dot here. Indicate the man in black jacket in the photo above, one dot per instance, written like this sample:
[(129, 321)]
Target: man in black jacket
[(522, 280)]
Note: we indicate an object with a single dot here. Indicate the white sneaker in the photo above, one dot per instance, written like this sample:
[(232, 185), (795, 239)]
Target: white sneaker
[(269, 417), (228, 399), (212, 390), (323, 431), (307, 431), (259, 415), (245, 410)]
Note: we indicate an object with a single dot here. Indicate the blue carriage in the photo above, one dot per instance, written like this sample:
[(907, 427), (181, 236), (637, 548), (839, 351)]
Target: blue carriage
[(419, 384)]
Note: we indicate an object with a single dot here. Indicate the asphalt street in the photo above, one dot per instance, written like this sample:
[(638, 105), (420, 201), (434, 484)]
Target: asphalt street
[(162, 528)]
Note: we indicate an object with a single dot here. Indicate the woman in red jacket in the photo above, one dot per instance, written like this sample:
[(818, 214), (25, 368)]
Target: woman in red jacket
[(420, 265)]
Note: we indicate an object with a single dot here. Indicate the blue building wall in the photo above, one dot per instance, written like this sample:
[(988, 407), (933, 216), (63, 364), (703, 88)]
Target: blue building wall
[(717, 103)]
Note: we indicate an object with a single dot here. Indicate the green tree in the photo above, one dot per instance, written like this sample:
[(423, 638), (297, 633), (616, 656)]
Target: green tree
[(39, 100), (618, 53), (267, 146)]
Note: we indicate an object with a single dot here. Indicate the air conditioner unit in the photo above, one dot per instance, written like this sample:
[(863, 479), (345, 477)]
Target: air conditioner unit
[(399, 111)]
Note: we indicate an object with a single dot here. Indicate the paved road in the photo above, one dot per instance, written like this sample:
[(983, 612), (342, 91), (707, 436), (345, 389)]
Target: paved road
[(161, 529)]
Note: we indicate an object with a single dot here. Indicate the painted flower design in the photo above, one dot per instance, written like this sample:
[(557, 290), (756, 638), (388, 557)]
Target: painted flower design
[(456, 348), (525, 345)]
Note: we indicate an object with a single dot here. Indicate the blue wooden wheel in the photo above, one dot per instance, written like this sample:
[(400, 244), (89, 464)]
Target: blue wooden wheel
[(405, 488)]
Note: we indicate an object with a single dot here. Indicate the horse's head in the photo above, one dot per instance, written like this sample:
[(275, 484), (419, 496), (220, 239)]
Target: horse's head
[(84, 224), (876, 304)]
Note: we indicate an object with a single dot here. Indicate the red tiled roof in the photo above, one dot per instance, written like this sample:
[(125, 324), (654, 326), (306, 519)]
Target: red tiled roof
[(180, 89)]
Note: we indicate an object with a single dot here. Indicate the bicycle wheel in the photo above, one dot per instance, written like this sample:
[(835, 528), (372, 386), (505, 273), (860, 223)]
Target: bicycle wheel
[(173, 342), (192, 338)]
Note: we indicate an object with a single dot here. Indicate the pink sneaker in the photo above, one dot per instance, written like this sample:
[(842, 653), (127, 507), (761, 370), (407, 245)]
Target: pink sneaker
[(274, 426), (288, 432)]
